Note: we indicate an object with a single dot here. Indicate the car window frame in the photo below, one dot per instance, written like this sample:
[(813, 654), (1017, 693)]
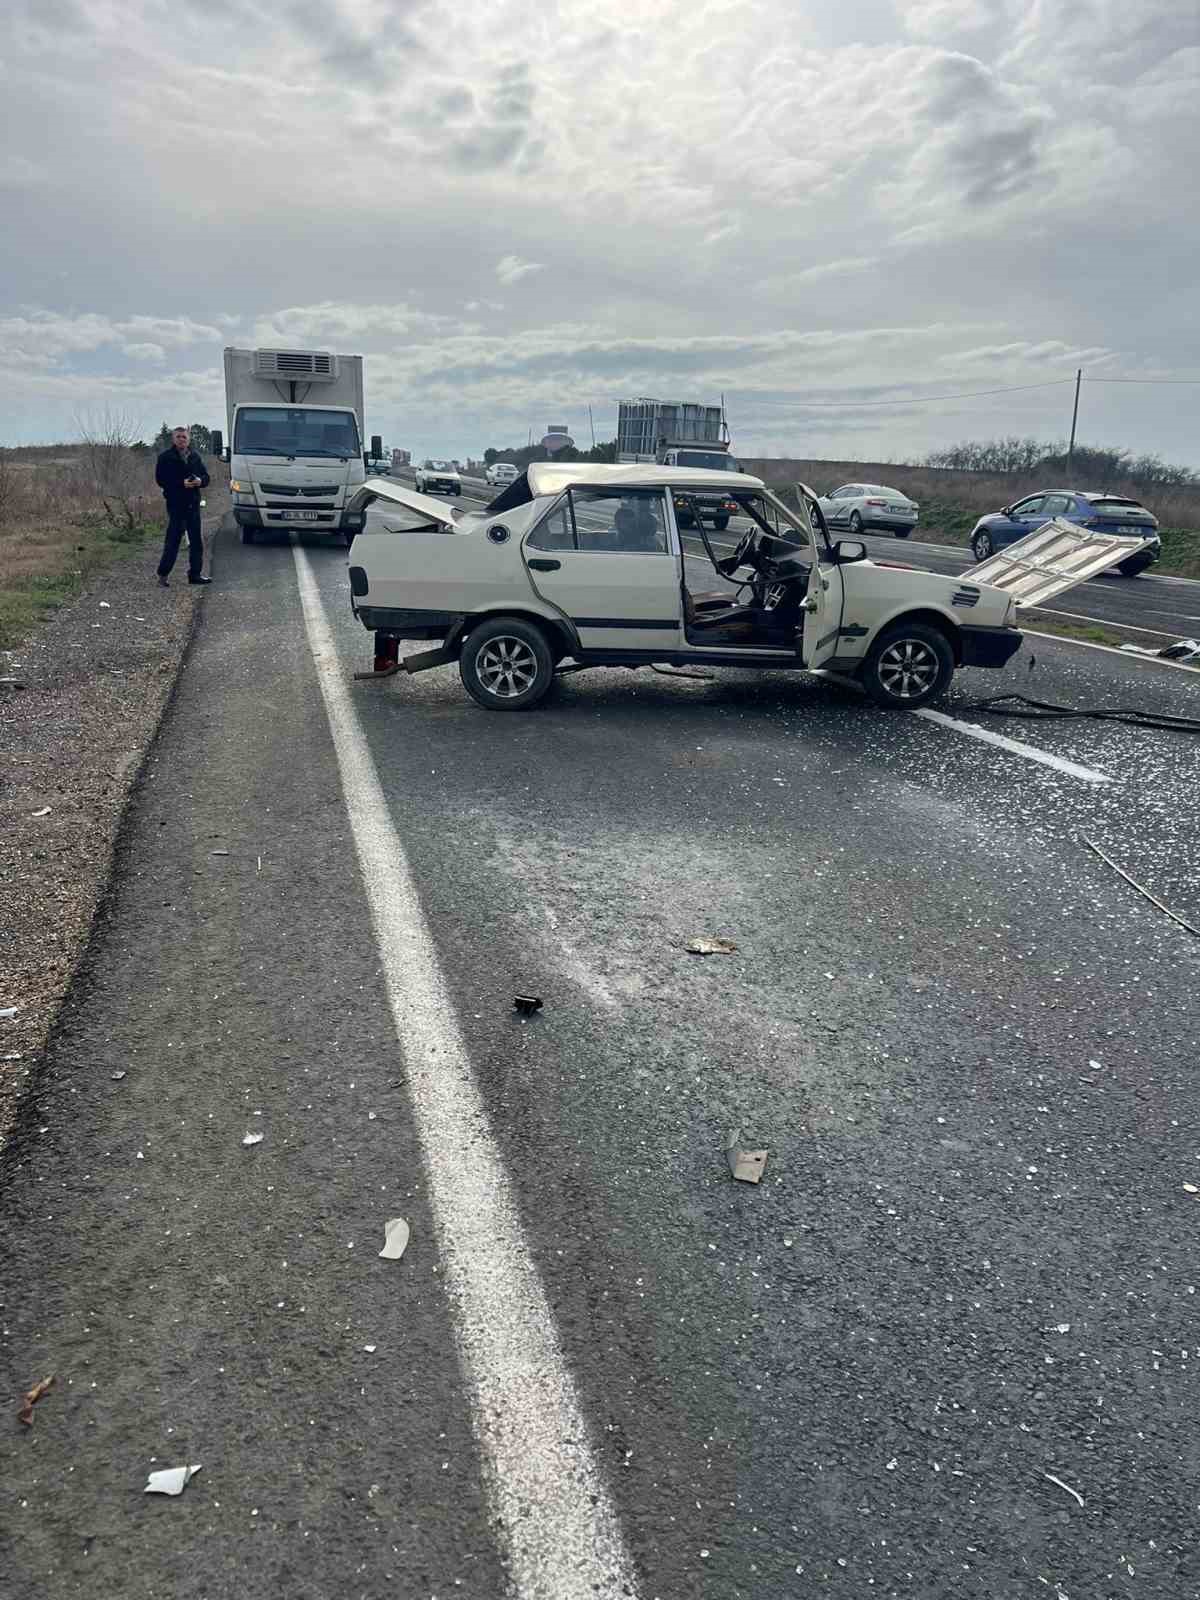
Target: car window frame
[(601, 491), (1057, 495), (1030, 506)]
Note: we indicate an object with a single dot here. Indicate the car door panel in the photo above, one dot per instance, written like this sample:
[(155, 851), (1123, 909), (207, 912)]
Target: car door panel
[(616, 599)]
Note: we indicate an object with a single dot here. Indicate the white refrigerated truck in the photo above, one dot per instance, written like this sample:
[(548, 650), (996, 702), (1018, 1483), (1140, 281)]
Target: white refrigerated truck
[(296, 451)]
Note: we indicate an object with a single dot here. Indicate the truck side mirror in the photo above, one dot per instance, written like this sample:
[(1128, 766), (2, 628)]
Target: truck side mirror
[(218, 444), (376, 447)]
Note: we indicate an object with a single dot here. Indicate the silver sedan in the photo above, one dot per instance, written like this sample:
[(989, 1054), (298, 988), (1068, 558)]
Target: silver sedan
[(859, 506)]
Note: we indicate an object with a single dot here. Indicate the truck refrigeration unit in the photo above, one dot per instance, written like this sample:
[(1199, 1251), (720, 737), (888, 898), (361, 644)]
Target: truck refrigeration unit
[(296, 452)]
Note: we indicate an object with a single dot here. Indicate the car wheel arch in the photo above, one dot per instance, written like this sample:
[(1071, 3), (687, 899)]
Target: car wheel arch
[(929, 617), (558, 633)]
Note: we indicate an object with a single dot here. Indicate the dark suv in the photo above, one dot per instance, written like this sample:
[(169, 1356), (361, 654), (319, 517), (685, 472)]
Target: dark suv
[(1107, 513)]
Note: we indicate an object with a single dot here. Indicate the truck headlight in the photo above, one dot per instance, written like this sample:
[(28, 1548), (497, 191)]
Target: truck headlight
[(239, 487)]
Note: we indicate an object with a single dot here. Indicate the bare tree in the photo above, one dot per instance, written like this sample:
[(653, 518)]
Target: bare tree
[(112, 468), (8, 486)]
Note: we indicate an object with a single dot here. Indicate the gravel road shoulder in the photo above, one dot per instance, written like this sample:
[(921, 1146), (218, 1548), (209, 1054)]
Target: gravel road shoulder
[(97, 679)]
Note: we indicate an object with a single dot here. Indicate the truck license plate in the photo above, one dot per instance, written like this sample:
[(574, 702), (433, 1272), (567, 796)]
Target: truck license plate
[(302, 516)]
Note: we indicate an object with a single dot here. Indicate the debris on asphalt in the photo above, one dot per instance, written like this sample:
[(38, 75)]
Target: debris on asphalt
[(44, 812), (116, 1076), (396, 1234), (1181, 650), (710, 947), (172, 1480), (527, 1004), (1073, 1492), (12, 683), (253, 1138), (1058, 1327), (745, 1165), (1190, 1188), (8, 1011), (218, 852), (1133, 883), (370, 1348), (32, 1396), (104, 606)]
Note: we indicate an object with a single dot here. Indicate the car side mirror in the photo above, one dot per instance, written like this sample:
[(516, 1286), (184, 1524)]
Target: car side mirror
[(847, 550)]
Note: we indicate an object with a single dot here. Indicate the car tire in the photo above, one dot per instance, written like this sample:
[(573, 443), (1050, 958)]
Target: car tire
[(909, 665), (1130, 569), (981, 546), (248, 534), (720, 523), (506, 664), (902, 533), (856, 524), (682, 520)]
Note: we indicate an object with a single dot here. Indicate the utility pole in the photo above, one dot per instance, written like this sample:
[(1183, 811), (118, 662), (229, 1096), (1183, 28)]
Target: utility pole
[(592, 426), (1074, 421)]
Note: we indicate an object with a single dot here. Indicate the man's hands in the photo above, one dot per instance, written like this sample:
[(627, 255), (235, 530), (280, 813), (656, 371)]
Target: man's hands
[(191, 483)]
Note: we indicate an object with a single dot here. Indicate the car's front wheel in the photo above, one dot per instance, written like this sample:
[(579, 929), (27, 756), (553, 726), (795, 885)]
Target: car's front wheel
[(909, 665), (982, 546), (856, 524), (1130, 569), (506, 664)]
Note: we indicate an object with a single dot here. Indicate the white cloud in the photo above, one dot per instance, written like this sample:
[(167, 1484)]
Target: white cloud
[(144, 352), (795, 196), (511, 269)]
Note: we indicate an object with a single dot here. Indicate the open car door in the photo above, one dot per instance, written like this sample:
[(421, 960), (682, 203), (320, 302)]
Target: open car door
[(1054, 558)]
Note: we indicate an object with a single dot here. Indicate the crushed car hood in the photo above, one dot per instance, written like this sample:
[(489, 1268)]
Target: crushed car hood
[(1058, 555)]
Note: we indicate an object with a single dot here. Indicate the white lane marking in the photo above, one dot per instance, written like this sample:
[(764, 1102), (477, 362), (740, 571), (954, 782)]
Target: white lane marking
[(1015, 747), (563, 1535)]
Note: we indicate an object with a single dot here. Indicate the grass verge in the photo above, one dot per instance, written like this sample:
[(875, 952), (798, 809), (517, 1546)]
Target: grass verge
[(64, 566)]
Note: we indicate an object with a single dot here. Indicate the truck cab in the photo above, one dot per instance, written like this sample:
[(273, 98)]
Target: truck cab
[(295, 421), (713, 509)]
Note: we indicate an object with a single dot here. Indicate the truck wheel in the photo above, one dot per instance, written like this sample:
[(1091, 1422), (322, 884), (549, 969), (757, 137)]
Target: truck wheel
[(506, 664), (720, 523), (248, 534), (909, 665)]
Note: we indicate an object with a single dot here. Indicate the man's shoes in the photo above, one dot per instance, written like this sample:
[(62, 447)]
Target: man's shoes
[(199, 580), (162, 582)]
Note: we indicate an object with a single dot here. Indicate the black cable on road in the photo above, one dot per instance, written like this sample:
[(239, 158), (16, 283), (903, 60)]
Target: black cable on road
[(1021, 705)]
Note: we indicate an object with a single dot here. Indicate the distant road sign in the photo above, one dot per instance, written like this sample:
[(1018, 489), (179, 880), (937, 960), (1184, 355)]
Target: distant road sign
[(558, 441)]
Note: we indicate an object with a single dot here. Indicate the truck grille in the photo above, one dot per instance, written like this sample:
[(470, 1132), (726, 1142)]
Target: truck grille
[(284, 505), (309, 489)]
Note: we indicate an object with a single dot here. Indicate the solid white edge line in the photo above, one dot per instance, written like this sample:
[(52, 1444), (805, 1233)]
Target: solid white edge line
[(559, 1525), (1110, 649), (1014, 746)]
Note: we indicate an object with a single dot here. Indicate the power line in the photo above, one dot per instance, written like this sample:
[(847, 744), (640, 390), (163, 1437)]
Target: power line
[(1141, 380), (916, 400)]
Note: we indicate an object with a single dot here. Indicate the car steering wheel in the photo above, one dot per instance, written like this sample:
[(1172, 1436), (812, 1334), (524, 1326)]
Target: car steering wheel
[(728, 567)]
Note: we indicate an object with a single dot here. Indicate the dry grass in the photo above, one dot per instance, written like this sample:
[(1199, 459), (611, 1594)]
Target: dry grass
[(66, 510), (952, 502)]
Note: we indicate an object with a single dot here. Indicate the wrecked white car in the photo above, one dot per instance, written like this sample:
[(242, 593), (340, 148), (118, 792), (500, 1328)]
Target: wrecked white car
[(575, 566)]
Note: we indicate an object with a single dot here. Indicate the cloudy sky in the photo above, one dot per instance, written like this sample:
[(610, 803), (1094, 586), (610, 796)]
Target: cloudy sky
[(824, 209)]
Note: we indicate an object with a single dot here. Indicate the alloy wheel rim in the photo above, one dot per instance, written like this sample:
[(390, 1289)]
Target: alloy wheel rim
[(908, 668), (506, 667)]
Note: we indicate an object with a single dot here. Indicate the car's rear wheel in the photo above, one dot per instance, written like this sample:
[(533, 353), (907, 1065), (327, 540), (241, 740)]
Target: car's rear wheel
[(1130, 569), (720, 523), (909, 665), (982, 546), (856, 524), (902, 533), (506, 664)]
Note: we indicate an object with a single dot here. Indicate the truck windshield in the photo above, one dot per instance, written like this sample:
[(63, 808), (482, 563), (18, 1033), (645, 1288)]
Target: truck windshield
[(295, 431), (717, 460)]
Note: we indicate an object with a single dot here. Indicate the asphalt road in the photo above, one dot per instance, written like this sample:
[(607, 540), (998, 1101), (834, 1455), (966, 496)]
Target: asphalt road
[(1163, 605), (961, 1301)]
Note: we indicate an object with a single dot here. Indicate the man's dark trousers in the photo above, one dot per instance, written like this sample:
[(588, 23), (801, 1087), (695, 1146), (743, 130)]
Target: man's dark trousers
[(183, 517)]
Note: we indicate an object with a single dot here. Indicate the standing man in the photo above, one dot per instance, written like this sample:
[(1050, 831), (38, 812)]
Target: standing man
[(181, 475)]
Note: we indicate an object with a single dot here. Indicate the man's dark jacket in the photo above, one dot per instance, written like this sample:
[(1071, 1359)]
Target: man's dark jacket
[(169, 474)]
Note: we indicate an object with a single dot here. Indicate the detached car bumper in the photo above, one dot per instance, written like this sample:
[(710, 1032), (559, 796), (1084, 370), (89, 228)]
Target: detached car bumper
[(989, 647)]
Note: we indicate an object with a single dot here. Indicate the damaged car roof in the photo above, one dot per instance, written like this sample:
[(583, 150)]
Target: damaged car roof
[(552, 477)]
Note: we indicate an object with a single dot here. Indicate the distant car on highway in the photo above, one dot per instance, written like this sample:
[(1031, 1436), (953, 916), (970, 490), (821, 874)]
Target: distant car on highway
[(379, 468), (501, 472), (859, 506), (1106, 513), (433, 475)]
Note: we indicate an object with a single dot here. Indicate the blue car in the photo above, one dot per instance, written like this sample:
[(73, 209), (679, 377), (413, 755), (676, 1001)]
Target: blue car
[(1108, 513)]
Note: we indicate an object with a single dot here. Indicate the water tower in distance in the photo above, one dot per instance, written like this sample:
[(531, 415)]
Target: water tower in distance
[(557, 438)]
